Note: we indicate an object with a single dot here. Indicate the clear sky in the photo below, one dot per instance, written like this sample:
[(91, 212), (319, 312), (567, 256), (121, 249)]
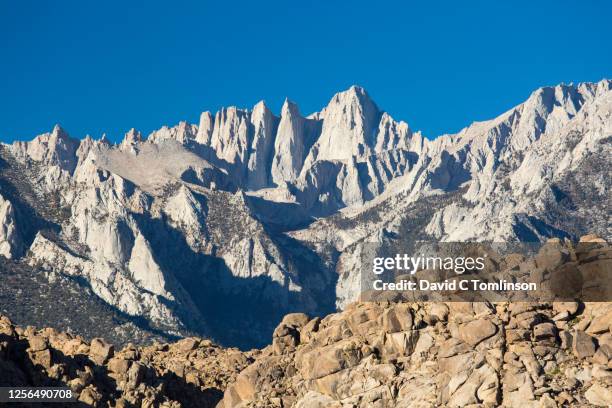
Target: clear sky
[(106, 66)]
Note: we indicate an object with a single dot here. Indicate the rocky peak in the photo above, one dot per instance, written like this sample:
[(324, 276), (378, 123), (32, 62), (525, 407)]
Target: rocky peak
[(205, 129), (548, 109), (263, 124), (392, 135), (230, 136), (260, 110), (349, 123), (354, 96), (290, 146), (85, 147), (58, 134), (104, 140), (54, 148), (131, 138), (289, 109), (182, 133)]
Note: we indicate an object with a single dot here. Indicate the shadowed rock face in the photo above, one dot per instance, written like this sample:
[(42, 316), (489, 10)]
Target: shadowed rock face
[(381, 354), (191, 372), (247, 216)]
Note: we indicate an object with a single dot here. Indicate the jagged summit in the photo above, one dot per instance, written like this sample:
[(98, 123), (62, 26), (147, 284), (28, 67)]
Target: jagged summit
[(132, 136), (289, 107), (59, 131), (355, 94)]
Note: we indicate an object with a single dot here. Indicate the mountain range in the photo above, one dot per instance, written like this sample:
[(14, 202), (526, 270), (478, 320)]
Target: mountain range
[(222, 227)]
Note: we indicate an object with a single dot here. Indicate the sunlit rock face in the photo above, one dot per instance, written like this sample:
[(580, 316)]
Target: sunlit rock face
[(10, 242), (236, 220)]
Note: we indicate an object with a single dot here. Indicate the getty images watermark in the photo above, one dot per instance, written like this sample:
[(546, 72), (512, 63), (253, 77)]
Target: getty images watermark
[(458, 265), (495, 272)]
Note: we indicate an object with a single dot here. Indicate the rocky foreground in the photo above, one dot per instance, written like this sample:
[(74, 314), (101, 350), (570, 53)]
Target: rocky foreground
[(375, 354)]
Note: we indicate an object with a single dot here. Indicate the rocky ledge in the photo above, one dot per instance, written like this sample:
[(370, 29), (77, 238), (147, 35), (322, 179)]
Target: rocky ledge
[(189, 373), (375, 354)]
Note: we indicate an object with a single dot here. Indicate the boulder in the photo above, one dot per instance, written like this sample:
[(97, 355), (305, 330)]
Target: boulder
[(551, 255), (38, 343), (118, 365), (599, 395), (330, 359), (135, 374), (100, 351), (438, 312), (90, 396), (42, 358), (476, 331), (570, 307), (600, 324), (285, 338), (592, 238), (544, 331), (397, 319), (188, 344), (603, 354), (583, 345), (309, 330), (566, 339), (295, 319)]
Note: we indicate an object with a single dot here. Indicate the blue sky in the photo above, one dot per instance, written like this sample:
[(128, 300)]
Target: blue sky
[(104, 67)]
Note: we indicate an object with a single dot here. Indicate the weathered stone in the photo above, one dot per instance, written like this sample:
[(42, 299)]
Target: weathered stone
[(313, 399), (192, 378), (566, 339), (295, 319), (130, 352), (397, 319), (38, 343), (476, 331), (144, 382), (288, 341), (90, 396), (599, 395), (369, 355), (135, 374), (603, 373), (583, 345), (330, 359), (75, 346), (546, 401), (570, 307), (188, 344), (517, 335), (42, 357), (544, 331), (100, 351), (308, 331), (600, 324), (551, 255), (592, 238), (118, 365), (603, 354), (439, 311)]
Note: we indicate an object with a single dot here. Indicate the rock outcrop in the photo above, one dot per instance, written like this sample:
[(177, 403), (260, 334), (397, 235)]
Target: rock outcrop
[(370, 355), (10, 242), (189, 373)]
